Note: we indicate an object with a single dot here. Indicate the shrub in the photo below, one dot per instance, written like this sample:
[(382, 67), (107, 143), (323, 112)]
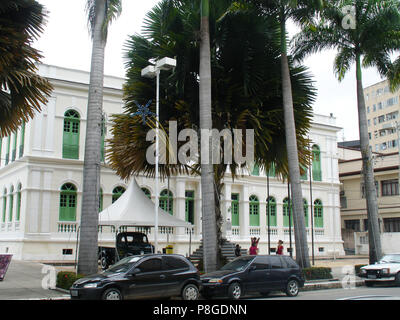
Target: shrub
[(317, 273), (65, 279), (357, 268)]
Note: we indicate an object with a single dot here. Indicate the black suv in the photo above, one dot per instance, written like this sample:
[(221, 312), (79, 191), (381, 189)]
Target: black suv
[(254, 274), (145, 276)]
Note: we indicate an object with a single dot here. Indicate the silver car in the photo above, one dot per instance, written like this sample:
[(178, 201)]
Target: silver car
[(387, 269)]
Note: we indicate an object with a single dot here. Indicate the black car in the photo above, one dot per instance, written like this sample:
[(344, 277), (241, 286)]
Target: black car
[(145, 276), (254, 274)]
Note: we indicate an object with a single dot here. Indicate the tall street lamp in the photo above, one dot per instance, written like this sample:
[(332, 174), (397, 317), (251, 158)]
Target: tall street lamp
[(152, 71)]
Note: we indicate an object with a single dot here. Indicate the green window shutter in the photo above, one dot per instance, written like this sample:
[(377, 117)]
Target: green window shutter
[(71, 135), (272, 212), (189, 206), (14, 148), (117, 192), (235, 209), (256, 170), (271, 171), (316, 164), (11, 205), (8, 150), (318, 214), (286, 213), (305, 212), (22, 140), (166, 201), (68, 203), (4, 205), (254, 209), (305, 174), (100, 200), (18, 214)]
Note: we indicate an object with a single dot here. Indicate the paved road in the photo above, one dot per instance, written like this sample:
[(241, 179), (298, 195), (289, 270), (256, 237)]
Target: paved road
[(334, 294), (23, 280)]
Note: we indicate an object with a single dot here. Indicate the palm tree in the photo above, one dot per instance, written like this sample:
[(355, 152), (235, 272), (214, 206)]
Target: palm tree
[(22, 92), (246, 86), (300, 12), (209, 230), (100, 14), (370, 42)]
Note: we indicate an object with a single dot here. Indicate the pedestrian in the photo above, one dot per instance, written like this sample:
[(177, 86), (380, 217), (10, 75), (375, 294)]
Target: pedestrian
[(280, 248), (237, 251), (254, 243)]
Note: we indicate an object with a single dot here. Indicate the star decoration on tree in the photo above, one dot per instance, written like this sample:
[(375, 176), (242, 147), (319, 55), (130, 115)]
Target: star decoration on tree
[(143, 111)]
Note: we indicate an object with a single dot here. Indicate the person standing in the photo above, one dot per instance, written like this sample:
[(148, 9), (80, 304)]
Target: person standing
[(237, 251), (254, 243), (280, 248)]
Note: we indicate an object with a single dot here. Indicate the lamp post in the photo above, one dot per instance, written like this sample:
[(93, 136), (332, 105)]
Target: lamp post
[(151, 72)]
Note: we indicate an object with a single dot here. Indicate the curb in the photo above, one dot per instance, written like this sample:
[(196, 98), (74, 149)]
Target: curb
[(336, 284)]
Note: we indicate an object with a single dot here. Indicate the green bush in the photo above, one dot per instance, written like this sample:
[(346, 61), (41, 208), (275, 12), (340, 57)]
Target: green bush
[(357, 268), (65, 279), (317, 273)]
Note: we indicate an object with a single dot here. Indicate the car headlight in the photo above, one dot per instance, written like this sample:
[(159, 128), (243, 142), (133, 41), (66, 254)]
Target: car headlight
[(386, 271), (363, 271), (91, 285), (215, 280)]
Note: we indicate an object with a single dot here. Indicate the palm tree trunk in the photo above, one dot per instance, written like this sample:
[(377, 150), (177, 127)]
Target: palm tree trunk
[(375, 247), (300, 234), (87, 262), (209, 226)]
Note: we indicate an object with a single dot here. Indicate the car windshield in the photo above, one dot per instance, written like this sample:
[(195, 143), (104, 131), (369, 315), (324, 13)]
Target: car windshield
[(390, 258), (238, 264), (123, 265)]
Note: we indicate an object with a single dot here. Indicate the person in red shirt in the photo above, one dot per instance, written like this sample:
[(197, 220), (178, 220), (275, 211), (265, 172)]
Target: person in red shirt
[(254, 249), (280, 248)]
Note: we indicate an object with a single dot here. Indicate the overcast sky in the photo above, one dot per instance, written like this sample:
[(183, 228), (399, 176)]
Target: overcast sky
[(66, 43)]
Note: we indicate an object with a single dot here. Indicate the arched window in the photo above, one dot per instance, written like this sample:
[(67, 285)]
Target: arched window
[(316, 163), (235, 209), (100, 200), (11, 205), (18, 213), (117, 192), (166, 201), (147, 192), (318, 214), (286, 213), (271, 204), (254, 210), (4, 205), (71, 135), (305, 212), (68, 203)]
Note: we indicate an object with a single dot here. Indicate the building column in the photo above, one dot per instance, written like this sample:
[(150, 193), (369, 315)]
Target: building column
[(180, 204), (244, 218), (226, 210)]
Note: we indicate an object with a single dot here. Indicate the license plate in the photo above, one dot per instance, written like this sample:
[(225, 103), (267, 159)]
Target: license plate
[(372, 276), (74, 293)]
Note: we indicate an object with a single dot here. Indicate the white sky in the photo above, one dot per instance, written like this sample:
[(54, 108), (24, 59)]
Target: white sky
[(66, 43)]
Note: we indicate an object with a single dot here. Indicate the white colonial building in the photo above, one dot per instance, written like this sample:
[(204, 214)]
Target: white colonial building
[(41, 184)]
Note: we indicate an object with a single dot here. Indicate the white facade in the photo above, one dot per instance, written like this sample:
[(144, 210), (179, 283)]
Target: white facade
[(31, 229)]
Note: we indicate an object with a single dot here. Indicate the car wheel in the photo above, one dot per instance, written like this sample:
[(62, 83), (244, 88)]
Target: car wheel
[(235, 291), (292, 288), (103, 262), (369, 283), (190, 292), (112, 294)]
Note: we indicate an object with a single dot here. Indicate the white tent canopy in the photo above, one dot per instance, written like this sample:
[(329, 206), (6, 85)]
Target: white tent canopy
[(134, 208)]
